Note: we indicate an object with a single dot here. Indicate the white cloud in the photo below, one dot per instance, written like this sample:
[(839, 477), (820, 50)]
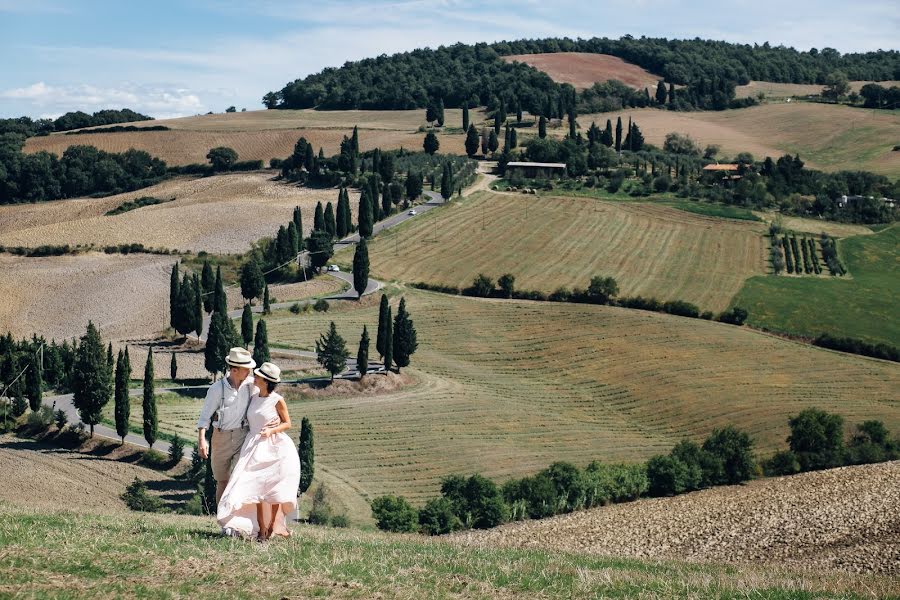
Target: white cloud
[(158, 101)]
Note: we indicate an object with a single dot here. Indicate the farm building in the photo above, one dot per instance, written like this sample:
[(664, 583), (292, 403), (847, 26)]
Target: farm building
[(532, 170), (723, 172)]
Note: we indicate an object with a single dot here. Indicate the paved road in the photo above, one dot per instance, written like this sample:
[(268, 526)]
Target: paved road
[(434, 200)]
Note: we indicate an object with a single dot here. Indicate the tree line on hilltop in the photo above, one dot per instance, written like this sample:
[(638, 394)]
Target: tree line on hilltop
[(71, 120), (464, 75)]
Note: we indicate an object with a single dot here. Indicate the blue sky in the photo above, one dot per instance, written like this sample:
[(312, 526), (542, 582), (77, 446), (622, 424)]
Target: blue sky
[(183, 57)]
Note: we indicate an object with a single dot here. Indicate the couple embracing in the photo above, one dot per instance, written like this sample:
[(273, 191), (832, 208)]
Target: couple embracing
[(254, 462)]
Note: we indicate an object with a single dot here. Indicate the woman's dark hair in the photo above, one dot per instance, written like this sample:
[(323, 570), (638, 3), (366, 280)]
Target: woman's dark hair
[(270, 385)]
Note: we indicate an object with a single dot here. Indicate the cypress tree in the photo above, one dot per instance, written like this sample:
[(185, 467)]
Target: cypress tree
[(247, 325), (319, 219), (465, 118), (293, 237), (173, 294), (619, 135), (513, 139), (446, 183), (383, 318), (220, 300), (109, 358), (404, 340), (150, 420), (571, 126), (306, 451), (376, 160), (671, 92), (471, 142), (341, 217), (348, 217), (91, 383), (440, 112), (496, 122), (122, 403), (518, 112), (366, 218), (216, 344), (34, 382), (431, 143), (331, 351), (661, 92), (361, 268), (298, 222), (207, 286), (252, 280), (388, 342), (128, 370), (362, 355), (506, 138), (542, 127), (330, 226), (197, 304), (267, 309), (261, 343), (493, 142), (386, 202), (607, 136), (354, 141), (173, 368), (184, 311)]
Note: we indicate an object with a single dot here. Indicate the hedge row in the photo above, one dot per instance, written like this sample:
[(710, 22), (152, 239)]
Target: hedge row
[(61, 250), (205, 169), (119, 129), (855, 346)]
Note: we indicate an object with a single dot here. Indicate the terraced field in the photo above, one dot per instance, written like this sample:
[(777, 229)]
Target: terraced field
[(267, 134), (223, 213), (505, 388), (548, 242)]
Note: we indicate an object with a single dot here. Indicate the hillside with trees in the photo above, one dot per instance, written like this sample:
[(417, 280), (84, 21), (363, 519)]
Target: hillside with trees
[(475, 75), (71, 120)]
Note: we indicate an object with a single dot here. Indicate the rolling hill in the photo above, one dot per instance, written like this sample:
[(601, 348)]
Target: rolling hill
[(584, 69)]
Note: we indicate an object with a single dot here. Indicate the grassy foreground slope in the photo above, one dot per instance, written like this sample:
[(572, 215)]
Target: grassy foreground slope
[(863, 306), (70, 555), (506, 388), (548, 242)]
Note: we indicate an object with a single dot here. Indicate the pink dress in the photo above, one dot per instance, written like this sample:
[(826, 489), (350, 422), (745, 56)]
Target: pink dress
[(268, 471)]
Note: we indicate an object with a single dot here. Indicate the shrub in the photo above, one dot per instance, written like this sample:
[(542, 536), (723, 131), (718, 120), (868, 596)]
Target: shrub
[(702, 468), (783, 462), (40, 419), (562, 294), (137, 498), (662, 184), (817, 439), (681, 308), (482, 287), (477, 501), (872, 444), (340, 521), (321, 305), (735, 316), (601, 289), (734, 448), (882, 351), (394, 513), (437, 517), (61, 418), (666, 476), (320, 512), (176, 449), (534, 497), (613, 483), (295, 308)]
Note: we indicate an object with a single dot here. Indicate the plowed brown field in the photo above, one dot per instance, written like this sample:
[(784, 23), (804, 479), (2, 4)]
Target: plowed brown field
[(584, 69)]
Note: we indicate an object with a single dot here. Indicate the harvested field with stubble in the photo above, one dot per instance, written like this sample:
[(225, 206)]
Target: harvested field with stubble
[(786, 90), (545, 382), (267, 134), (826, 136), (584, 69), (845, 519), (221, 214), (124, 295), (650, 250)]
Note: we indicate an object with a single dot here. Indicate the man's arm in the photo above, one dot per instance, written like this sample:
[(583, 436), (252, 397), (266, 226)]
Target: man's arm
[(209, 406)]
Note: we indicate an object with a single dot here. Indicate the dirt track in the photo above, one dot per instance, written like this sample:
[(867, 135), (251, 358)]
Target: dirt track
[(845, 519)]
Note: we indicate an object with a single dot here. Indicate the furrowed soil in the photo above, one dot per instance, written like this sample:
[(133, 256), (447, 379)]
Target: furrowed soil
[(584, 69), (549, 242), (222, 214), (843, 519)]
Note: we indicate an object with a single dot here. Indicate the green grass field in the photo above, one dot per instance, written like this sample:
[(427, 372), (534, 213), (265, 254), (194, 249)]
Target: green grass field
[(69, 555), (861, 306), (548, 242)]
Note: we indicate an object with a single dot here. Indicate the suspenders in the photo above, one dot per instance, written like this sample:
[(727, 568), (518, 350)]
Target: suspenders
[(244, 421)]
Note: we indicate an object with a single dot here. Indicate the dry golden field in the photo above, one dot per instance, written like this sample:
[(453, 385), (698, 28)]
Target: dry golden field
[(786, 90), (584, 69), (815, 226), (263, 135), (826, 136), (650, 250), (506, 387), (124, 295), (222, 213)]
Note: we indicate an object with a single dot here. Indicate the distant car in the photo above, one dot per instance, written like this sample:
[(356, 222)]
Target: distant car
[(412, 213), (333, 268)]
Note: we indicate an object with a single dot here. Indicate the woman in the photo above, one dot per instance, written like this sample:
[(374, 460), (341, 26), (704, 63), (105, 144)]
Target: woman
[(262, 489)]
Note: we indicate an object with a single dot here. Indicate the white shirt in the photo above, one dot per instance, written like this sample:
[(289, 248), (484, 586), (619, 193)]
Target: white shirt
[(233, 401)]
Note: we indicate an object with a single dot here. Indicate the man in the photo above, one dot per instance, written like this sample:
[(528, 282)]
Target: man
[(225, 408)]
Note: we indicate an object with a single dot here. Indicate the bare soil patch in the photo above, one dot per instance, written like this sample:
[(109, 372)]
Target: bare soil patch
[(124, 295), (222, 213), (371, 385), (846, 519), (41, 476), (584, 69)]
